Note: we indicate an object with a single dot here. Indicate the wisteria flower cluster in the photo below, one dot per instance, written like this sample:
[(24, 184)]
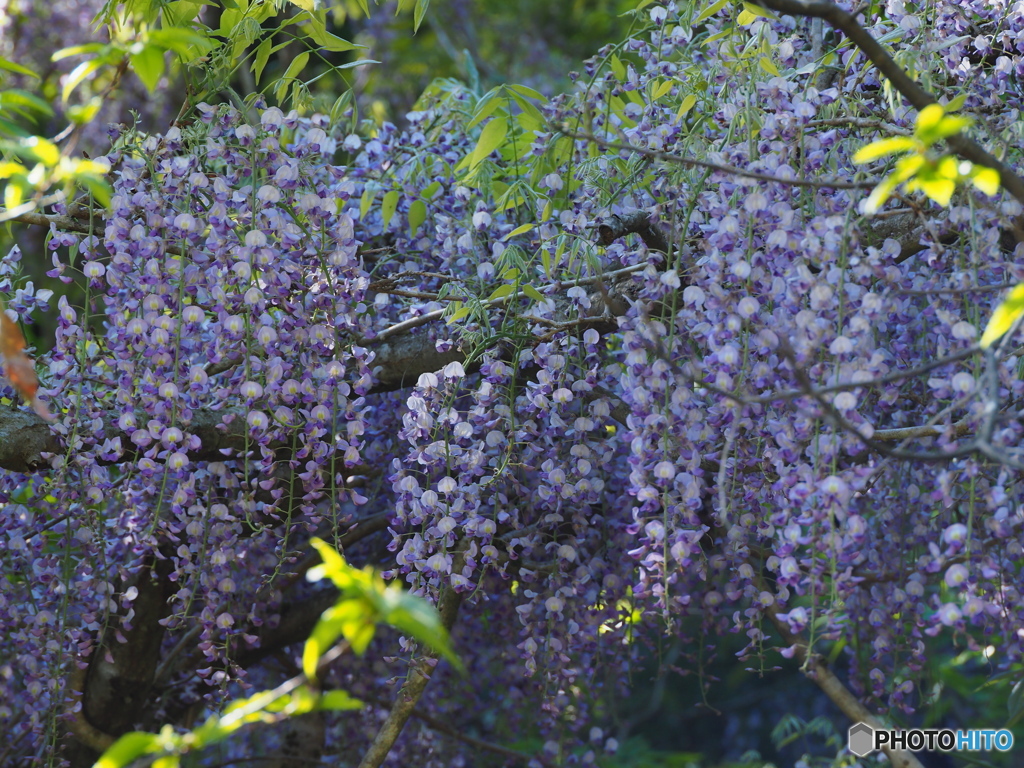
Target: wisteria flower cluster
[(742, 413)]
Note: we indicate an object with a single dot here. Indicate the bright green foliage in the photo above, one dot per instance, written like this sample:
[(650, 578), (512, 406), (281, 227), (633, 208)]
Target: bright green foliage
[(1004, 316), (937, 177), (365, 601)]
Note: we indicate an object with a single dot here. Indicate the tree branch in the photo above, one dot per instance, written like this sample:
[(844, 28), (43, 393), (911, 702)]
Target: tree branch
[(412, 690), (817, 670)]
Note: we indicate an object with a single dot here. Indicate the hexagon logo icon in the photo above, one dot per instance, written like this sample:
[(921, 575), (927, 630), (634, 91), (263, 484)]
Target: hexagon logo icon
[(861, 739)]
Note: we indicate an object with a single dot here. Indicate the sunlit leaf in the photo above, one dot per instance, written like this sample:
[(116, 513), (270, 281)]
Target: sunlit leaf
[(127, 749), (710, 11), (1004, 316), (417, 215), (502, 291), (419, 13), (339, 701), (148, 64), (79, 74), (936, 187), (491, 137), (11, 66), (388, 206), (883, 147), (985, 179)]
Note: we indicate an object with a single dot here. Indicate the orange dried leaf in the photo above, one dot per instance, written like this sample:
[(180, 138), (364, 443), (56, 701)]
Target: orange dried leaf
[(18, 367)]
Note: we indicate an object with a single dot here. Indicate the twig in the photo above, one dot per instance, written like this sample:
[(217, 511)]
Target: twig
[(668, 157)]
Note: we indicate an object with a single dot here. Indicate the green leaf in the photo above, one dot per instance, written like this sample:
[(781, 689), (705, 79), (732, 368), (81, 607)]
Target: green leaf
[(352, 618), (491, 137), (883, 147), (927, 119), (182, 41), (950, 125), (757, 10), (524, 90), (297, 65), (263, 52), (417, 618), (367, 200), (459, 313), (686, 106), (518, 231), (11, 66), (148, 64), (388, 206), (323, 38), (418, 14), (530, 119), (126, 749), (502, 291), (417, 215), (78, 50), (1004, 316), (533, 293), (769, 66), (307, 5), (710, 11), (338, 701), (23, 102), (956, 104), (78, 74), (485, 107)]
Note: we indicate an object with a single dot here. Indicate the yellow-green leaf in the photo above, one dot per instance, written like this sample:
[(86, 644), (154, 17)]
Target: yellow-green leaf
[(928, 118), (986, 179), (938, 188), (502, 291), (757, 10), (533, 293), (518, 231), (148, 64), (388, 206), (367, 200), (686, 106), (662, 88), (338, 701), (618, 68), (417, 215), (883, 147), (769, 66), (127, 749), (262, 57), (710, 11), (42, 150), (78, 74), (11, 66), (491, 137), (880, 194), (418, 13), (1004, 316)]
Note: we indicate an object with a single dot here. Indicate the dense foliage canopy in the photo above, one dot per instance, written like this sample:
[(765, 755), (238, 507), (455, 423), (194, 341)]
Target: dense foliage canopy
[(625, 370)]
